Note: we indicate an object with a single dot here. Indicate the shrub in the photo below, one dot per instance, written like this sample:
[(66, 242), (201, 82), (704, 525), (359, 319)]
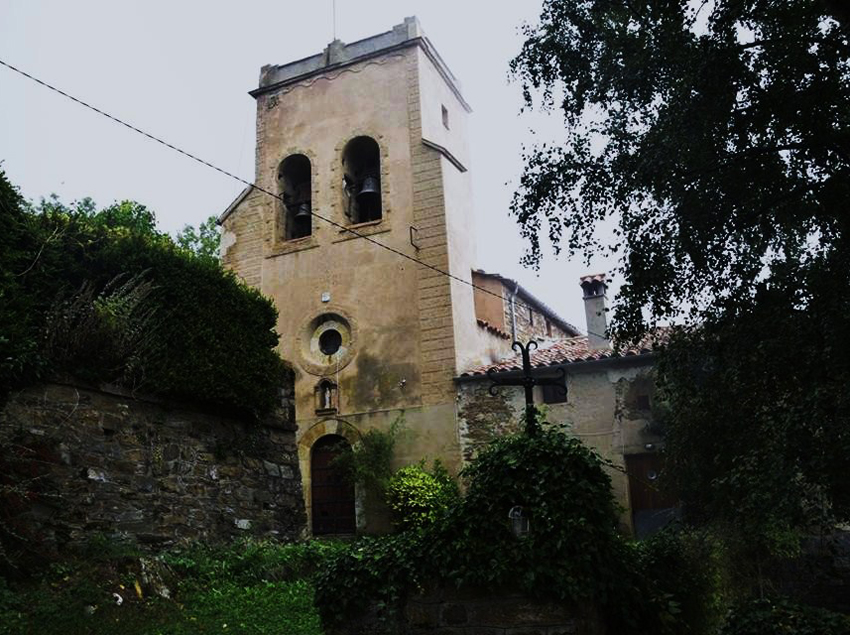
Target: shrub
[(369, 461), (780, 616), (690, 573), (249, 561), (105, 297), (417, 497), (572, 552), (249, 587)]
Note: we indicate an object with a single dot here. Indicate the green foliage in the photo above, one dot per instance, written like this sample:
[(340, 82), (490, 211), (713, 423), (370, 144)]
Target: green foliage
[(369, 461), (102, 295), (248, 561), (204, 241), (758, 431), (692, 574), (417, 497), (374, 571), (19, 342), (572, 552), (248, 587), (780, 616), (716, 136), (572, 548)]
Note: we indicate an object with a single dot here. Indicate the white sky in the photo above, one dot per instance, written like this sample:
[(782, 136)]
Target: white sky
[(181, 70)]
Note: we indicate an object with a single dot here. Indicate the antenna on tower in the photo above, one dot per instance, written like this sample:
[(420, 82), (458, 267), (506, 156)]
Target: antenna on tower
[(333, 12)]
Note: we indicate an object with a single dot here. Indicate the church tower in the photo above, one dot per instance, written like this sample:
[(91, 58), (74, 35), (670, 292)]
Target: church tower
[(371, 136)]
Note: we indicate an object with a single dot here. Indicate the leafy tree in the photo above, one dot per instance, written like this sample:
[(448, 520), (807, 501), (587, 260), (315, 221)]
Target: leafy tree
[(102, 295), (716, 137), (203, 241)]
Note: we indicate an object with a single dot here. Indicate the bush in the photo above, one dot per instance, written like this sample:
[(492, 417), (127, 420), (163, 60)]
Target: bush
[(691, 577), (781, 616), (571, 554), (417, 497), (248, 587), (249, 561), (104, 297), (369, 461)]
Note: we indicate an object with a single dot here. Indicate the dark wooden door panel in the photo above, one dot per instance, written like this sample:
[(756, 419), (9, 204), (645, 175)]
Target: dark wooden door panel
[(332, 493)]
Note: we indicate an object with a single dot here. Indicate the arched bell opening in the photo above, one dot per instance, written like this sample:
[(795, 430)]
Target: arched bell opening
[(361, 162), (332, 490), (295, 183)]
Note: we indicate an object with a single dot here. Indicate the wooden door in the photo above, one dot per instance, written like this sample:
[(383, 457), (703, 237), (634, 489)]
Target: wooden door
[(332, 491), (651, 507)]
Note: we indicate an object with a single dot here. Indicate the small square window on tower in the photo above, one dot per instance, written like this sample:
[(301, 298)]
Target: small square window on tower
[(445, 117)]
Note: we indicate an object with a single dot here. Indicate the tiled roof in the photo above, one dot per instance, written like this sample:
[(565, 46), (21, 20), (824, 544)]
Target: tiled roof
[(525, 294), (572, 350), (495, 330)]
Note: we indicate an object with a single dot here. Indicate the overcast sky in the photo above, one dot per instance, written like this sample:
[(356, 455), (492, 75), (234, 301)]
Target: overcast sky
[(181, 70)]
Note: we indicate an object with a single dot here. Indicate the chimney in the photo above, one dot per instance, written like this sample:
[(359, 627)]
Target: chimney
[(594, 287)]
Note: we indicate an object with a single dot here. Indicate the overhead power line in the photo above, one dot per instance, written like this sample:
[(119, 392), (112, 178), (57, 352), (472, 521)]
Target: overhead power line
[(243, 181)]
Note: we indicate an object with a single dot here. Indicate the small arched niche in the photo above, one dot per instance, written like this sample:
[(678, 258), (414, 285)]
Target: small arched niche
[(295, 180), (327, 397), (361, 163)]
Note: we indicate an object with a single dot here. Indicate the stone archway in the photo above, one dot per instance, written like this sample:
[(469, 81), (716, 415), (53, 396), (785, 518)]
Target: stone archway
[(312, 436)]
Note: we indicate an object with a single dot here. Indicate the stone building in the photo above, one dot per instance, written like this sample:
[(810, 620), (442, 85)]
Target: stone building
[(366, 143), (609, 404)]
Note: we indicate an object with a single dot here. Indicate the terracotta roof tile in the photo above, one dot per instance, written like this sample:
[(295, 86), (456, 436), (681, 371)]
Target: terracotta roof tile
[(572, 350), (495, 330), (594, 277)]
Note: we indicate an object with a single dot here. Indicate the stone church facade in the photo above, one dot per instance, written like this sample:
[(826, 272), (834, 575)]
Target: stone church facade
[(363, 143)]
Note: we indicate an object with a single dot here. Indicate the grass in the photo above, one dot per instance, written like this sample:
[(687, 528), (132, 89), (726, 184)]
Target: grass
[(246, 588)]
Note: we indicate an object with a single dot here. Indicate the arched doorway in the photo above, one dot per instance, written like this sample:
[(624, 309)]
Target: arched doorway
[(332, 492)]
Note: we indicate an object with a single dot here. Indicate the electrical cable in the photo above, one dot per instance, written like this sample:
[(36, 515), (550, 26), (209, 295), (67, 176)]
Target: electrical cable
[(247, 183)]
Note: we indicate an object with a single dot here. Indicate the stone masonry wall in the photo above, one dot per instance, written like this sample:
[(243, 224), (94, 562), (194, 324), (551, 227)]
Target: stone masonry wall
[(448, 611), (531, 323), (98, 463)]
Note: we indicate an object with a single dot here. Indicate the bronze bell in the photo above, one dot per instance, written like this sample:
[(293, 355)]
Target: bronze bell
[(369, 198), (301, 224), (302, 211), (371, 187)]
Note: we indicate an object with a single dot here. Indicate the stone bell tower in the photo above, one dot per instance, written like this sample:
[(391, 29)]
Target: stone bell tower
[(371, 136)]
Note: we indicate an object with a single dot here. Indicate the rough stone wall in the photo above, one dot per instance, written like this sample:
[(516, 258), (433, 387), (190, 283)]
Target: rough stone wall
[(449, 611), (156, 474), (530, 322), (483, 417)]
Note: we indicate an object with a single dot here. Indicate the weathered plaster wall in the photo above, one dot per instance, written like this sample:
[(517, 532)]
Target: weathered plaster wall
[(602, 410), (490, 307), (151, 472), (242, 241), (401, 347), (427, 432)]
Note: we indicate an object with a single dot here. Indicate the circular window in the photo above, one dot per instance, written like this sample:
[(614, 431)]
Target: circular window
[(330, 341), (326, 343)]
